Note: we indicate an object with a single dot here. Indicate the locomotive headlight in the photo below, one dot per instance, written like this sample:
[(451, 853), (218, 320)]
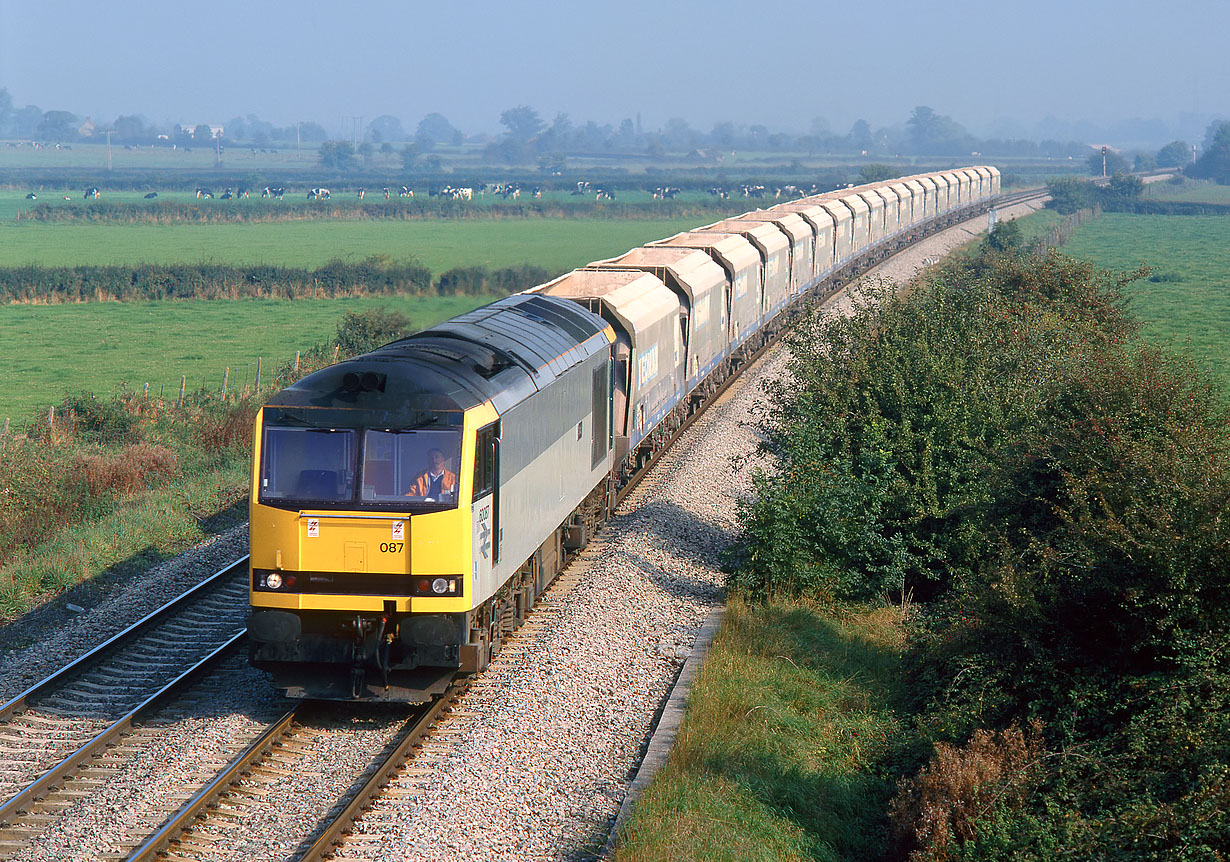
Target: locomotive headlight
[(439, 586), (273, 581)]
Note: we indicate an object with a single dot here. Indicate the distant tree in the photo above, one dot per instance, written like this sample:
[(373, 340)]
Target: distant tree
[(819, 127), (1214, 162), (24, 122), (859, 138), (724, 134), (58, 126), (435, 129), (1144, 162), (409, 155), (338, 155), (386, 149), (130, 129), (310, 132), (876, 173), (6, 109), (1176, 154), (522, 122), (365, 150), (933, 134), (680, 136), (385, 128), (203, 134)]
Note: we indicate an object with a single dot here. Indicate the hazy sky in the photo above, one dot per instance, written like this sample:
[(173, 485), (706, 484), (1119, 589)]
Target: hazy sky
[(779, 64)]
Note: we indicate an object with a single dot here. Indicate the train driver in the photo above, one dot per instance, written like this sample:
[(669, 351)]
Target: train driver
[(437, 483)]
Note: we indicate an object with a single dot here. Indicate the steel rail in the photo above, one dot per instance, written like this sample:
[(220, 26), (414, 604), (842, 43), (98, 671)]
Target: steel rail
[(140, 627), (388, 768), (206, 797), (39, 788)]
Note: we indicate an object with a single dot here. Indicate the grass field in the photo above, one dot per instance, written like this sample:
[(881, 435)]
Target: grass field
[(1189, 192), (789, 728), (96, 347), (556, 245), (1186, 302)]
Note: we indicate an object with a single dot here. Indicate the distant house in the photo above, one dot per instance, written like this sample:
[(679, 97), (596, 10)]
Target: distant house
[(86, 129)]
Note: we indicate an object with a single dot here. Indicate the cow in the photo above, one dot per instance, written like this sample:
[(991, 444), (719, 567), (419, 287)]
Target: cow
[(388, 193), (151, 196), (406, 192), (277, 193), (31, 196), (359, 193), (318, 194), (226, 195), (604, 195), (203, 193), (91, 193)]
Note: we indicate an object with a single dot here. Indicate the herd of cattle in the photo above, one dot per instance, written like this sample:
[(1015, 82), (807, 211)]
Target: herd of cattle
[(505, 191)]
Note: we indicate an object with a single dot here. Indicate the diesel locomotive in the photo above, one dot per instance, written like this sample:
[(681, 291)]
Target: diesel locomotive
[(409, 505)]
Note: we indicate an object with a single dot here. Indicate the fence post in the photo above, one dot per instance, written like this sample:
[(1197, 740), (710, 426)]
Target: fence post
[(258, 374), (226, 375), (296, 361), (147, 391), (183, 385), (51, 415)]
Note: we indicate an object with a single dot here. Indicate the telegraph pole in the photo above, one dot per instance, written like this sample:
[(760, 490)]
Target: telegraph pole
[(109, 133)]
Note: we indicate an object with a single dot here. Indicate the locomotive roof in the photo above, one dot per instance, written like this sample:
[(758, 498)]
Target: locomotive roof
[(502, 352)]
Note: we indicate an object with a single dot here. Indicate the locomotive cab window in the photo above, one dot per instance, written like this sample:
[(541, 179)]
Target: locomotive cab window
[(484, 461), (411, 465), (308, 464)]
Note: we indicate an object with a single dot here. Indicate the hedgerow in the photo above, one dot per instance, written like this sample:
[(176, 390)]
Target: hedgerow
[(1000, 444), (372, 276)]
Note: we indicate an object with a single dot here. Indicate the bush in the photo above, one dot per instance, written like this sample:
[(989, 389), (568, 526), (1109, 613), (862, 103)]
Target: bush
[(963, 793), (97, 421), (361, 331), (128, 472)]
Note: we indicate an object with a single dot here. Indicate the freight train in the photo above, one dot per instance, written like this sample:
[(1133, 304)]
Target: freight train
[(409, 505)]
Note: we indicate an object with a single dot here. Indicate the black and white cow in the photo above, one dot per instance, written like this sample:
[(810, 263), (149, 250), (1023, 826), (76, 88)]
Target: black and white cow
[(91, 193)]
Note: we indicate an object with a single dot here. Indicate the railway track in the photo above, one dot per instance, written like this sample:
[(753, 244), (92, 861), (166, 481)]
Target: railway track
[(57, 736)]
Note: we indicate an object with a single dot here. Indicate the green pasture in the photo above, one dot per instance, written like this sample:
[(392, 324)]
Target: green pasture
[(1189, 191), (556, 245), (1186, 300), (99, 347)]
